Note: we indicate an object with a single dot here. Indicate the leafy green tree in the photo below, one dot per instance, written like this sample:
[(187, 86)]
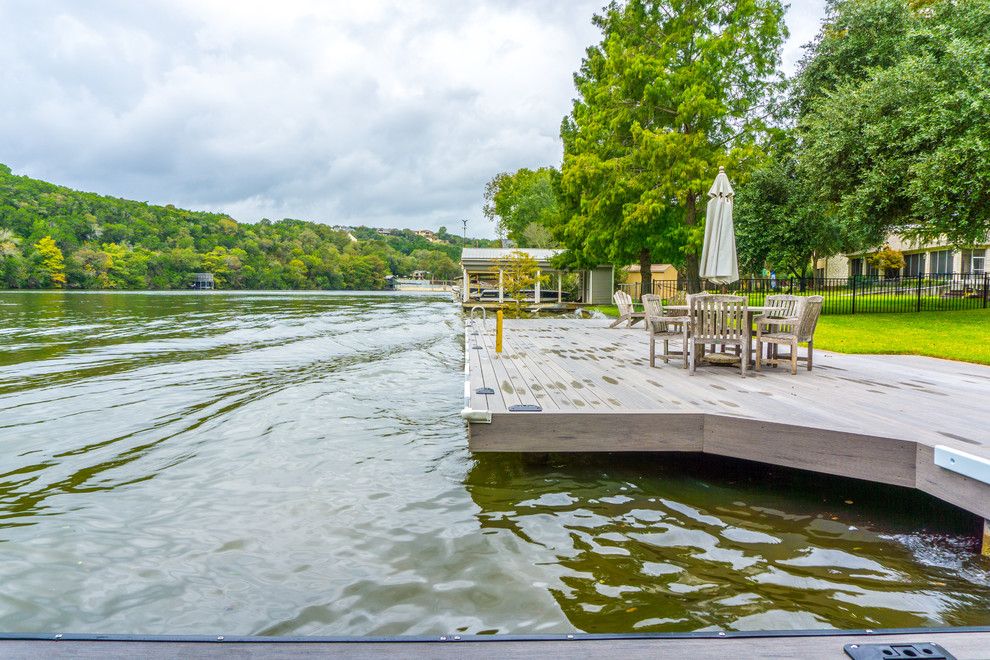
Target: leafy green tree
[(856, 37), (887, 259), (518, 274), (11, 260), (904, 145), (779, 223), (438, 264), (50, 264), (520, 200), (8, 243), (675, 89)]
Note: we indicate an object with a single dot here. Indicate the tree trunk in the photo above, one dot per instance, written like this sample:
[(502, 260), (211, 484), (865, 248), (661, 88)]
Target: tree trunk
[(645, 273), (692, 282)]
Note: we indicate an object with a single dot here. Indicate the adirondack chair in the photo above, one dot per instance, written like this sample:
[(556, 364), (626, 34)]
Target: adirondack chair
[(666, 328), (793, 331), (626, 311), (720, 320)]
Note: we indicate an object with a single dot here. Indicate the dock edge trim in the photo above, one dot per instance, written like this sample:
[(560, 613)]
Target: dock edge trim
[(963, 463)]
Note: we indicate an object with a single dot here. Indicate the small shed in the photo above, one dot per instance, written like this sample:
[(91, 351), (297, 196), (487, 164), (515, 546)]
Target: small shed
[(480, 268)]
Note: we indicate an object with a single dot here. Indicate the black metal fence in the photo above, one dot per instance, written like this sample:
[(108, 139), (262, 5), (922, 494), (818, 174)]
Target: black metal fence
[(849, 295)]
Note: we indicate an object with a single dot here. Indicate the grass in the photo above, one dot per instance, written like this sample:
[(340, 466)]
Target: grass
[(961, 335)]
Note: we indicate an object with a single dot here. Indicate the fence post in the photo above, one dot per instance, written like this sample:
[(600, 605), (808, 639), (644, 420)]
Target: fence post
[(854, 295), (986, 285), (919, 294)]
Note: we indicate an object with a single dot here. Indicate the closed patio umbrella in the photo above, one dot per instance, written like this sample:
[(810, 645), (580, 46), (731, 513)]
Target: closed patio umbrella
[(718, 254)]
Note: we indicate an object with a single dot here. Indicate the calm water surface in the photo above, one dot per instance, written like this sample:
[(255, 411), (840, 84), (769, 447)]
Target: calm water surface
[(294, 464)]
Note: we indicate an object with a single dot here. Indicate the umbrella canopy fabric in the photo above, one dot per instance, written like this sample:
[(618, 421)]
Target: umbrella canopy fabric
[(718, 254)]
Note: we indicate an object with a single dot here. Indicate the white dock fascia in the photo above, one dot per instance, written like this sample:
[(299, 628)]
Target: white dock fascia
[(968, 465)]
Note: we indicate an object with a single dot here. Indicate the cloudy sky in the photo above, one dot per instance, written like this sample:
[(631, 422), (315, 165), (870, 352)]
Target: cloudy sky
[(379, 113)]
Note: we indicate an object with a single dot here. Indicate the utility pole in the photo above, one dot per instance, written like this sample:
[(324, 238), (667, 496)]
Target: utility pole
[(465, 231)]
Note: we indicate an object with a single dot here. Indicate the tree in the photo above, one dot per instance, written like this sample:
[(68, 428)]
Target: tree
[(887, 259), (904, 145), (538, 236), (779, 223), (11, 262), (855, 38), (520, 200), (50, 263), (518, 274), (675, 89)]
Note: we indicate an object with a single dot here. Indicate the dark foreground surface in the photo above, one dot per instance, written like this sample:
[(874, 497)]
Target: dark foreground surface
[(968, 645)]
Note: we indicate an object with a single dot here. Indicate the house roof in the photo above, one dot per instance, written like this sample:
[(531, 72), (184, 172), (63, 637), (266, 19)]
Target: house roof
[(499, 253), (486, 257)]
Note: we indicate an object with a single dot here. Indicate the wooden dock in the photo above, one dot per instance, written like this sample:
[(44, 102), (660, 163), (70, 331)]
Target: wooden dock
[(563, 385)]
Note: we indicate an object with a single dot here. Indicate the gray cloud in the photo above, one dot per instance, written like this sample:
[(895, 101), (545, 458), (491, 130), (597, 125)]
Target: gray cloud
[(378, 113)]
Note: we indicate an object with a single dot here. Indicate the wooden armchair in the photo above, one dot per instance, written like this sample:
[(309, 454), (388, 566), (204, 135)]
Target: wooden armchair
[(626, 311), (666, 328), (792, 331), (720, 320)]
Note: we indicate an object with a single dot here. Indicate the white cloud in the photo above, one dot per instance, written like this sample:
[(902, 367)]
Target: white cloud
[(381, 113)]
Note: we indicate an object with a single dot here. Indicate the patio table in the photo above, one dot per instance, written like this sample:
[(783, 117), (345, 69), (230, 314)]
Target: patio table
[(752, 313)]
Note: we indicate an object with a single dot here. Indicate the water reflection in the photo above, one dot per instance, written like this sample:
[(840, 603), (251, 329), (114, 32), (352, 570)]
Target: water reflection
[(642, 543)]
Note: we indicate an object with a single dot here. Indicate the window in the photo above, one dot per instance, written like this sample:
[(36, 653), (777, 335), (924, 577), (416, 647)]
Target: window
[(914, 264), (856, 267), (974, 262), (941, 262)]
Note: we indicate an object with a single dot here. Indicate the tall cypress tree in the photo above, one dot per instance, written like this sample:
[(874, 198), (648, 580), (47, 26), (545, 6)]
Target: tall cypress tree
[(675, 89)]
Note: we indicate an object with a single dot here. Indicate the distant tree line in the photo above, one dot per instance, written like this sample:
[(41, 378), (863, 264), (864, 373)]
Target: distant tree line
[(52, 237), (883, 129)]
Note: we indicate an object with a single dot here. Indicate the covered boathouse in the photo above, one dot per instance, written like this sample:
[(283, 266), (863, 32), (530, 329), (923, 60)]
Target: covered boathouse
[(481, 273)]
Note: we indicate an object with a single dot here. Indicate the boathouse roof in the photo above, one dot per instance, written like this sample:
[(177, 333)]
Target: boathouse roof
[(486, 257)]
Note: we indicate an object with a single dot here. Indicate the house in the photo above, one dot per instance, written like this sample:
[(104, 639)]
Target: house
[(480, 271), (428, 235), (665, 273), (920, 258), (203, 281)]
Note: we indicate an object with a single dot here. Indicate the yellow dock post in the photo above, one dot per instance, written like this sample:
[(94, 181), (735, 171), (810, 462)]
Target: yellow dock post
[(498, 331), (985, 546)]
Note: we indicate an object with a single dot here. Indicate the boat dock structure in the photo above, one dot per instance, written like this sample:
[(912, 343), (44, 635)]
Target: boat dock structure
[(571, 385)]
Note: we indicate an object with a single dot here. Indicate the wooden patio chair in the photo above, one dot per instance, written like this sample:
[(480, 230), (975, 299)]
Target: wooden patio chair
[(780, 306), (720, 320), (666, 328), (626, 311), (799, 329)]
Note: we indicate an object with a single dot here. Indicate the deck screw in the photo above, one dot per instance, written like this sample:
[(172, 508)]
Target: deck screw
[(58, 636), (869, 632), (721, 634), (570, 637), (854, 646), (443, 639), (219, 638)]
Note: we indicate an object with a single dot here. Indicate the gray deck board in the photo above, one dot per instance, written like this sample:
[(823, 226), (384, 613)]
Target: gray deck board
[(853, 415)]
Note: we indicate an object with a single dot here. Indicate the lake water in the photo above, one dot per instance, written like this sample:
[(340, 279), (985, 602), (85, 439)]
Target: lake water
[(294, 464)]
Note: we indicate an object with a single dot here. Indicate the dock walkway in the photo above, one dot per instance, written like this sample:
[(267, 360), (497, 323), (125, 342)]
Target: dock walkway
[(889, 419)]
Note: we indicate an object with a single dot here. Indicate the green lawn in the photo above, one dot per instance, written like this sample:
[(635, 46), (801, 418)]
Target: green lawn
[(962, 335)]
